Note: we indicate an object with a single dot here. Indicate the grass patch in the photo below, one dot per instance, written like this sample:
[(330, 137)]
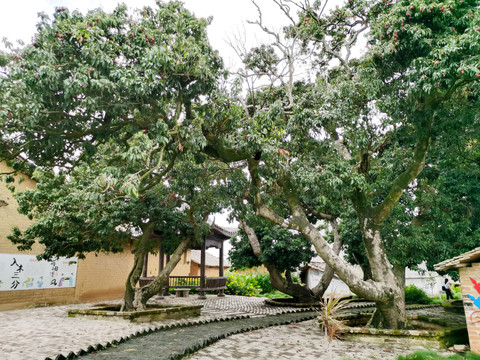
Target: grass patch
[(274, 295), (430, 355)]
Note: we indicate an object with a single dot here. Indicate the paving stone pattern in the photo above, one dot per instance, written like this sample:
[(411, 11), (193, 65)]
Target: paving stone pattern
[(50, 332), (260, 337), (177, 342), (298, 341), (234, 305)]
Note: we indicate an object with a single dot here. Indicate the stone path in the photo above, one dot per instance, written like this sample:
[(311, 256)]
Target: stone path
[(41, 333), (177, 342), (298, 341)]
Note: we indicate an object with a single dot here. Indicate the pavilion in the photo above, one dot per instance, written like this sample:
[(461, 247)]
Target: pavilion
[(215, 239)]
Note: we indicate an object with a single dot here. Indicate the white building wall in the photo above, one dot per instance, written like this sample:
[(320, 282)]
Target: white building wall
[(337, 286)]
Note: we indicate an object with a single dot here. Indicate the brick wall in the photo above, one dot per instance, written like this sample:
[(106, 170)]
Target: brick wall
[(472, 311)]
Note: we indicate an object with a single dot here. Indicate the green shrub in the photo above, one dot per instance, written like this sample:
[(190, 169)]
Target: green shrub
[(242, 284), (430, 355), (414, 295), (457, 292), (263, 282)]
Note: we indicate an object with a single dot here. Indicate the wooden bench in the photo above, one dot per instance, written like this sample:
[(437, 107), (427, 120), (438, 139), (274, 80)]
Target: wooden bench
[(215, 283)]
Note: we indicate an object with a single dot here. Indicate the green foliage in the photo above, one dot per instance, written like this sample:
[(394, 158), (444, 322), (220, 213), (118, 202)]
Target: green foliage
[(87, 78), (351, 144), (274, 295), (263, 282), (242, 284), (99, 205), (280, 247), (102, 95), (430, 355), (414, 295)]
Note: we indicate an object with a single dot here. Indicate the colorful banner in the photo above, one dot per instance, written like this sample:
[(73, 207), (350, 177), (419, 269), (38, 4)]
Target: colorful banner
[(25, 272)]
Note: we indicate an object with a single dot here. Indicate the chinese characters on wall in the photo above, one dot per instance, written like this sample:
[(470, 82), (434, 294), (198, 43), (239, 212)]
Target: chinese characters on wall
[(25, 272)]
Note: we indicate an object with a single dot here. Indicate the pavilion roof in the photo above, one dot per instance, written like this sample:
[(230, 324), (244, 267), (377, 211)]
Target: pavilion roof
[(459, 261)]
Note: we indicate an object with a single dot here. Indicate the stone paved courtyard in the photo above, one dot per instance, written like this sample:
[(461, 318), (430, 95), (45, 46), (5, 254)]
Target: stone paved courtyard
[(39, 333)]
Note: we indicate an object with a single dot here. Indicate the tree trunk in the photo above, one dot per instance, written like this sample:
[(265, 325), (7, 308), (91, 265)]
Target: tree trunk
[(383, 289), (391, 312), (143, 294), (136, 272), (285, 284), (328, 273)]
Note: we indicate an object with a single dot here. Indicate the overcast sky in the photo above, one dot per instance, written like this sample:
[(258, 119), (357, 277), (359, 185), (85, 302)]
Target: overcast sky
[(18, 18)]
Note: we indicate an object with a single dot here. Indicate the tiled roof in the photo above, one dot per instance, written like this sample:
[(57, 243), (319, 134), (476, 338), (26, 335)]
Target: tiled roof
[(210, 260), (317, 265), (225, 230), (459, 261)]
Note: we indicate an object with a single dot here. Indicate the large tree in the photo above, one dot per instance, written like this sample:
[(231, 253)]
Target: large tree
[(109, 99), (104, 206), (358, 134)]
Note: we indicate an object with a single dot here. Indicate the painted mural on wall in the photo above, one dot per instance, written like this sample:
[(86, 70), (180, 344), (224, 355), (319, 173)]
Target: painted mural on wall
[(475, 316), (25, 272)]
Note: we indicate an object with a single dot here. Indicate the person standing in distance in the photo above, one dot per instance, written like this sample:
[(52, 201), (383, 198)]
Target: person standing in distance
[(446, 288)]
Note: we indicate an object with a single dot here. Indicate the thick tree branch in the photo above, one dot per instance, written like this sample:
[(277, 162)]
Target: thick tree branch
[(328, 273), (283, 284), (382, 211), (298, 221)]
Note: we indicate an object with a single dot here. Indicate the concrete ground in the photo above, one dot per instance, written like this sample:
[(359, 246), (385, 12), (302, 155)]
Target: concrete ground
[(38, 333)]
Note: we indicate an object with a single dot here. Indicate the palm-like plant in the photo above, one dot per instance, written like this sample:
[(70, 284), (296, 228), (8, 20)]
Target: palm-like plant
[(329, 321)]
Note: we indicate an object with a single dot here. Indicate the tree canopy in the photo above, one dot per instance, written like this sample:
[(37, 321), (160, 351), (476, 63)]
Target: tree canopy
[(357, 135), (108, 98), (103, 76)]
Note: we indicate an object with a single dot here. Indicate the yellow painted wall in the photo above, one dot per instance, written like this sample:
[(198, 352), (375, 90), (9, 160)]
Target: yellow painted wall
[(9, 215), (182, 268), (103, 277), (99, 277), (210, 271)]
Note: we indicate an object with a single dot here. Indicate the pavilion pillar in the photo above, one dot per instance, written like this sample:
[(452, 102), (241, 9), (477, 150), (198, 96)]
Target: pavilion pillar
[(201, 291), (167, 288), (161, 265), (221, 292)]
